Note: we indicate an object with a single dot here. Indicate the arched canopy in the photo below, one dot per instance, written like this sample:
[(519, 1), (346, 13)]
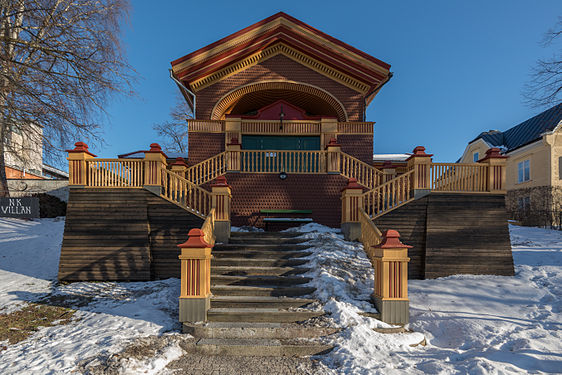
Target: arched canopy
[(252, 97)]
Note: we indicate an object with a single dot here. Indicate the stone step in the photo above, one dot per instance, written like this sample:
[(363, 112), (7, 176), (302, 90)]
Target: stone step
[(253, 314), (277, 235), (247, 330), (259, 301), (256, 347), (258, 280), (245, 270), (273, 246), (260, 254), (245, 290), (265, 241), (236, 261)]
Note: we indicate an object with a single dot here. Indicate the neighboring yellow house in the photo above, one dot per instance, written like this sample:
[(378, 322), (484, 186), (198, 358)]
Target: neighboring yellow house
[(534, 166)]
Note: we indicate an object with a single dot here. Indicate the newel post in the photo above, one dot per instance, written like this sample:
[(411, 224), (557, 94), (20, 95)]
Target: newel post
[(333, 156), (388, 170), (77, 165), (221, 203), (352, 201), (391, 278), (154, 162), (195, 295), (179, 167), (420, 162), (233, 155), (496, 171)]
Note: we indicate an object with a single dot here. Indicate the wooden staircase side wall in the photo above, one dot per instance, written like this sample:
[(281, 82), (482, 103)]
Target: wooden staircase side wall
[(467, 234), (122, 235)]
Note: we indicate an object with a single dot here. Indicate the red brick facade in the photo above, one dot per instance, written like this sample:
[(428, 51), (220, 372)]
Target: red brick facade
[(358, 145), (252, 192), (279, 68), (202, 146)]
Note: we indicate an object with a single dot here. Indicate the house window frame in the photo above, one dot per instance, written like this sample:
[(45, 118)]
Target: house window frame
[(475, 156), (524, 171)]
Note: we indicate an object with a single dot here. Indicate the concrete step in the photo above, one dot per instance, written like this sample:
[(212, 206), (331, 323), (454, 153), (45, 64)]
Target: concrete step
[(248, 330), (253, 314), (237, 261), (258, 280), (245, 270), (260, 254), (273, 246), (257, 347), (245, 290), (259, 302)]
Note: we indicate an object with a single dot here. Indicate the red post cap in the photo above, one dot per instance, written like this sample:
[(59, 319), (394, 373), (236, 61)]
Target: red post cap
[(352, 184), (387, 164), (196, 240), (220, 182), (234, 141), (419, 151), (155, 147), (391, 240), (81, 147), (180, 161)]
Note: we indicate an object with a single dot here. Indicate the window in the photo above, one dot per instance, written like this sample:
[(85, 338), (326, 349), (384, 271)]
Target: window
[(560, 167), (523, 170), (524, 204), (475, 157)]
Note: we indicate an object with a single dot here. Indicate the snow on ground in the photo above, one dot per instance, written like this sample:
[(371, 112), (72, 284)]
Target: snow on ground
[(109, 316), (473, 324)]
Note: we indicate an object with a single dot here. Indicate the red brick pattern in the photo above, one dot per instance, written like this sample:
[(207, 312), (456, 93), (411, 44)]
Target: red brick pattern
[(202, 146), (358, 145), (252, 192), (279, 68)]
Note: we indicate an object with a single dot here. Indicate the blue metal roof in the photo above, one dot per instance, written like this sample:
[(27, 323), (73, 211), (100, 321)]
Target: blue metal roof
[(524, 133)]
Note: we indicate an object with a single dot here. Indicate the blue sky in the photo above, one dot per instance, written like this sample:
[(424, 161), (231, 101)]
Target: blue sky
[(459, 66)]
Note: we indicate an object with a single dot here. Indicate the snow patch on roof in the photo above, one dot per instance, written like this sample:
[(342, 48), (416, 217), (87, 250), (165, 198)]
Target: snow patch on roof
[(391, 157)]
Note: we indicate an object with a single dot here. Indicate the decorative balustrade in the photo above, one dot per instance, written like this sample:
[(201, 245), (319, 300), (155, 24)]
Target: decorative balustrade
[(115, 173), (456, 177), (277, 127), (388, 196), (206, 126), (276, 161), (356, 127), (186, 194), (365, 174), (208, 227), (207, 170), (370, 234)]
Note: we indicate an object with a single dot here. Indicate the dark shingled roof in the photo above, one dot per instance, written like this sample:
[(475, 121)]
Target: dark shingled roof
[(524, 133)]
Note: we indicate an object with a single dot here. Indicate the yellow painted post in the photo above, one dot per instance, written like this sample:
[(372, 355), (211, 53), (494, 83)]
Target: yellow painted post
[(233, 155), (195, 291), (391, 278), (232, 129), (221, 196), (420, 162), (154, 163), (328, 130), (388, 170), (78, 168), (333, 156), (352, 201), (179, 167), (496, 174)]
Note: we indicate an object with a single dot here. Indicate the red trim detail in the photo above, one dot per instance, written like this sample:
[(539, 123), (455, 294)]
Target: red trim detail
[(180, 161), (493, 153), (220, 181), (292, 19), (196, 240), (352, 184), (391, 240), (81, 147)]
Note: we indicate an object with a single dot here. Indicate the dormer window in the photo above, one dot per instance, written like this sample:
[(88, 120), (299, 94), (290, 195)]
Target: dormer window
[(475, 157)]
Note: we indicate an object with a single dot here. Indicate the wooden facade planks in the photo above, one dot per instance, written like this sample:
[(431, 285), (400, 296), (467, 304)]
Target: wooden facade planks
[(122, 235)]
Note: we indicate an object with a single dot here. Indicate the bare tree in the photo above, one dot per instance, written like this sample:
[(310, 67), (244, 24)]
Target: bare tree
[(545, 87), (60, 62), (174, 133)]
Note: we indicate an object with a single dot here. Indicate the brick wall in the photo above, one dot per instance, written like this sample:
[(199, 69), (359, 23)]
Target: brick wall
[(279, 68), (202, 146), (253, 192), (360, 146)]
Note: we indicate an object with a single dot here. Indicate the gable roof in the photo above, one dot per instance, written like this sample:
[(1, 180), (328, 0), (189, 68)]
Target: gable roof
[(526, 132), (281, 34)]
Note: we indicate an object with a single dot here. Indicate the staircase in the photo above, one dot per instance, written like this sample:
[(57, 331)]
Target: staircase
[(259, 300)]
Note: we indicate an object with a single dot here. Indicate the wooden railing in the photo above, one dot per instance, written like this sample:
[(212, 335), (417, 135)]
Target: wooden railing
[(277, 161), (355, 127), (207, 170), (115, 173), (370, 234), (457, 177), (206, 126), (277, 127), (185, 194), (366, 175), (389, 196), (208, 227)]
